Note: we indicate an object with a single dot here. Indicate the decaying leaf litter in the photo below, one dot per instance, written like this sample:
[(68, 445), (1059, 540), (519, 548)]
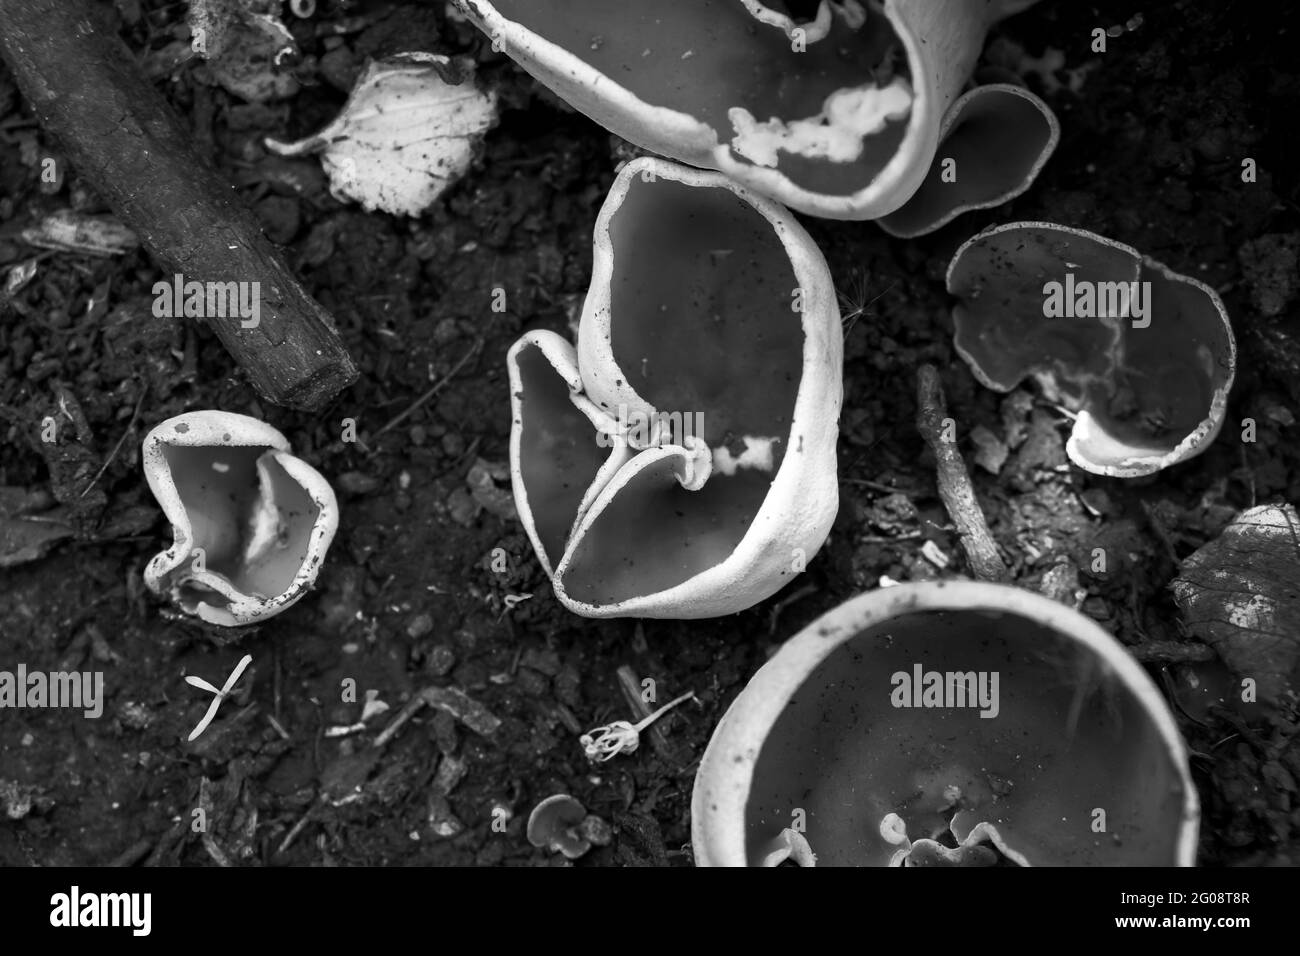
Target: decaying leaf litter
[(410, 601)]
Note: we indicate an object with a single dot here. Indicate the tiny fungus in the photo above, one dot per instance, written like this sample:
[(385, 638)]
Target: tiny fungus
[(681, 461), (622, 737), (1143, 355), (562, 825), (251, 523), (838, 116), (994, 725)]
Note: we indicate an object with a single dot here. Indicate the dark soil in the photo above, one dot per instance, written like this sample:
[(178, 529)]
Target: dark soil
[(1154, 131)]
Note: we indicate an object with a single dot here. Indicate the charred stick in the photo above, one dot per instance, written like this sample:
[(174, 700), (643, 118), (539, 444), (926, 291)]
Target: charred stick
[(125, 140)]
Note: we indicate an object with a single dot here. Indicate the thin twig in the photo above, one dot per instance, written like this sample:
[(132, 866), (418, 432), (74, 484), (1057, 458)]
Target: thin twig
[(276, 682), (409, 710), (631, 688), (130, 426), (218, 855), (437, 387), (297, 829), (1243, 730), (133, 854), (955, 487), (1171, 652), (785, 602), (881, 486)]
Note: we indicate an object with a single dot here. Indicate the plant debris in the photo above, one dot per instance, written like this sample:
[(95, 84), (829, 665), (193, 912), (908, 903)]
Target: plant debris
[(407, 132), (1241, 595)]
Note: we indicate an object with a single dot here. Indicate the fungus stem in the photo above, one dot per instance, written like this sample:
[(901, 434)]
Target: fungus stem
[(645, 722), (609, 740)]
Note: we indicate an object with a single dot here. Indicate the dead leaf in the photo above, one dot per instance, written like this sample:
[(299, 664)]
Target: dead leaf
[(482, 481), (27, 531), (407, 132), (248, 49), (69, 231), (18, 800), (1241, 595), (990, 451), (19, 276), (463, 707)]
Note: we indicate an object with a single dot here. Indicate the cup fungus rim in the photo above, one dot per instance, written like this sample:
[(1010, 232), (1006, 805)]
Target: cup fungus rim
[(553, 60), (562, 357), (722, 784), (945, 128), (688, 139)]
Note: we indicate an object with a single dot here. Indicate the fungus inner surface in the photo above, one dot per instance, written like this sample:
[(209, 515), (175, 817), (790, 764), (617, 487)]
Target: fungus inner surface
[(702, 314), (1068, 739), (708, 59), (1147, 386), (250, 517), (1168, 374), (655, 534), (558, 452), (994, 144), (703, 326)]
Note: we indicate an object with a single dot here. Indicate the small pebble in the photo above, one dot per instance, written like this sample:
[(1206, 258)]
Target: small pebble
[(441, 660), (421, 625), (358, 483)]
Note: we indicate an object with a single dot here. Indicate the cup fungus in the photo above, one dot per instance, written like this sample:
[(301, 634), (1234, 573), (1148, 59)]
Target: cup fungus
[(251, 523), (562, 825), (839, 116), (681, 461), (1145, 356), (996, 726)]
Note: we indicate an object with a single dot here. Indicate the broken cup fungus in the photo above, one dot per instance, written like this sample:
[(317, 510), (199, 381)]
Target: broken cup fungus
[(681, 461), (1143, 355), (994, 140), (948, 723), (251, 523), (839, 116)]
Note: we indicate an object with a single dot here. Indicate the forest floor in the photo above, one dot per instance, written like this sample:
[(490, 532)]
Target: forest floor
[(1154, 131)]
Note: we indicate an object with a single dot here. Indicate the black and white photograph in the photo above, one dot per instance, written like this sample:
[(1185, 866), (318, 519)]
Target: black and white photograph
[(651, 434)]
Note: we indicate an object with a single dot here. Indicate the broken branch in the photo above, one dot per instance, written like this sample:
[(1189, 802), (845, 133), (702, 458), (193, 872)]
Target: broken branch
[(122, 136), (955, 489)]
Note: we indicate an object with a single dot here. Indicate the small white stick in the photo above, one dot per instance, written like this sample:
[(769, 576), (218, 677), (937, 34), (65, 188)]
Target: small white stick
[(219, 695)]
